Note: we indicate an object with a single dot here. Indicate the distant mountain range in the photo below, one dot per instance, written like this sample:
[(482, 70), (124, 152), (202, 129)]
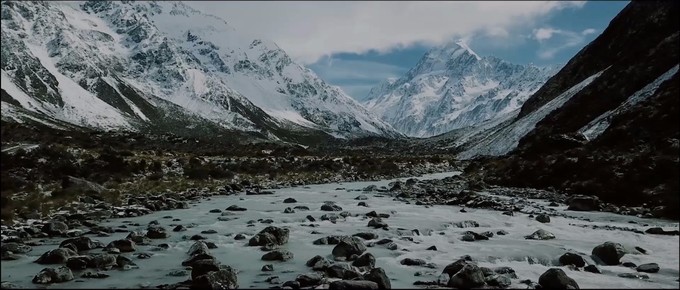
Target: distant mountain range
[(163, 67)]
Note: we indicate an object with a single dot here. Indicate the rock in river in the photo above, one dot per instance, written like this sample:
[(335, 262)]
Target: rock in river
[(609, 253)]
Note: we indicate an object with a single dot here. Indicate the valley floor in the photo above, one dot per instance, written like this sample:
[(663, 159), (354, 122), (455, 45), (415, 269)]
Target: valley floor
[(411, 229)]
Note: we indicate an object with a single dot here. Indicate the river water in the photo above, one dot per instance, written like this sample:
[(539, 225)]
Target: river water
[(434, 224)]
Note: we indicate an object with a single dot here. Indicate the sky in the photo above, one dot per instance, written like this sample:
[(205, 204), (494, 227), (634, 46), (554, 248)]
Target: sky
[(357, 44)]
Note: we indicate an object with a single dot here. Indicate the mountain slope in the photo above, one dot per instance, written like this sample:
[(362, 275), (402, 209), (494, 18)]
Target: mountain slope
[(607, 122), (452, 87), (146, 65)]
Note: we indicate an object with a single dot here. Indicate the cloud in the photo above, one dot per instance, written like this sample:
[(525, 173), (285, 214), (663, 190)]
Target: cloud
[(310, 30), (552, 41), (340, 69), (588, 31), (542, 34)]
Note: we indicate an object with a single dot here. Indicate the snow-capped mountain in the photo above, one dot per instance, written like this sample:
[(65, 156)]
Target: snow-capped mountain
[(452, 87), (139, 65)]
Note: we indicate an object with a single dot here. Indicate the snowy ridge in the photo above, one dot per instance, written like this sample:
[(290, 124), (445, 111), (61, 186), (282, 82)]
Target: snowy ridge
[(106, 64), (451, 87), (505, 139), (597, 126)]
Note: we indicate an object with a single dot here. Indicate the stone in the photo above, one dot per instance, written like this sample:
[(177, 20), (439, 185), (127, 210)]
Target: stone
[(267, 268), (378, 276), (572, 259), (278, 255), (78, 262), (236, 208), (540, 235), (318, 263), (353, 284), (124, 262), (273, 280), (660, 231), (95, 275), (289, 200), (309, 280), (543, 218), (202, 267), (470, 236), (466, 224), (648, 268), (138, 237), (224, 278), (609, 253), (454, 267), (413, 262), (199, 247), (347, 247), (196, 258), (583, 203), (124, 246), (365, 260), (56, 256), (81, 243), (270, 235), (102, 261), (156, 232), (15, 248), (592, 269), (496, 280), (52, 275), (178, 273), (366, 235), (377, 223), (55, 228), (505, 271), (330, 207), (469, 276), (197, 237), (555, 278)]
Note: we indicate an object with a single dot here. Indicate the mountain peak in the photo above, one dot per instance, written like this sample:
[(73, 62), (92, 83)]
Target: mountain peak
[(463, 44), (452, 50), (452, 87)]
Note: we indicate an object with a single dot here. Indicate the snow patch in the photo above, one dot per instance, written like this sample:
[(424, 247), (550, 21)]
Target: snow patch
[(597, 126), (507, 138)]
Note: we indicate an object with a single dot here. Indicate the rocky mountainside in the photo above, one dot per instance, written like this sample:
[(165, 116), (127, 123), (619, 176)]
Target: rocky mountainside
[(161, 66), (451, 87), (605, 125)]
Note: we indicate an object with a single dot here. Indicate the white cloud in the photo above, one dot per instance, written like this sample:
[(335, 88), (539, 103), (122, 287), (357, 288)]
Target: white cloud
[(338, 69), (542, 34), (311, 30), (552, 41), (588, 31)]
